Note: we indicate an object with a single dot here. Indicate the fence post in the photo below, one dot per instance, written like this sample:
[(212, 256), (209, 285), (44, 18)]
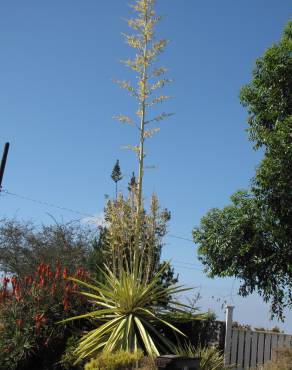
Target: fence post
[(227, 346)]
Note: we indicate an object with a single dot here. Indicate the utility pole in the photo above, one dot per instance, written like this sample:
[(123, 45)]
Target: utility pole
[(3, 163)]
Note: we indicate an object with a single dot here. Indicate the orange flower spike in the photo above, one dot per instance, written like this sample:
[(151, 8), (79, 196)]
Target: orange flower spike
[(19, 323), (65, 273), (53, 289), (17, 293), (66, 304), (58, 271), (13, 282), (40, 269), (5, 283), (42, 282), (40, 319), (48, 270), (78, 272), (68, 287)]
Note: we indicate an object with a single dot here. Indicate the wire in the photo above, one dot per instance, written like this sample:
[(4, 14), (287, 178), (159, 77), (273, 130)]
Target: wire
[(187, 268), (52, 205), (180, 237), (177, 264), (188, 263)]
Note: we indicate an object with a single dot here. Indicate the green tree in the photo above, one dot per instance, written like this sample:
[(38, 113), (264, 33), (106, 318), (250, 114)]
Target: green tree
[(268, 96), (23, 246), (132, 185), (251, 239), (116, 175)]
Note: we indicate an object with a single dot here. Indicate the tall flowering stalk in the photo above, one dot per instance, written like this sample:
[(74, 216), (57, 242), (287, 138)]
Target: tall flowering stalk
[(149, 79)]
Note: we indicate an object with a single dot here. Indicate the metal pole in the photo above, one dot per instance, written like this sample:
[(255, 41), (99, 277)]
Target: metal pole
[(3, 163)]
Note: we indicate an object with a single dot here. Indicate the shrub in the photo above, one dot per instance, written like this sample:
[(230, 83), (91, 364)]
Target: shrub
[(23, 246), (128, 314), (29, 310), (68, 358), (282, 360), (120, 360), (210, 358)]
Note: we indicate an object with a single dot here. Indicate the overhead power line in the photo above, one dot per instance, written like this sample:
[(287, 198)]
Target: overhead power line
[(189, 263), (180, 237), (186, 267), (44, 203), (71, 210)]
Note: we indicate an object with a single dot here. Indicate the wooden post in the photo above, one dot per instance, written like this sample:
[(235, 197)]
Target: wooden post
[(228, 332), (3, 163)]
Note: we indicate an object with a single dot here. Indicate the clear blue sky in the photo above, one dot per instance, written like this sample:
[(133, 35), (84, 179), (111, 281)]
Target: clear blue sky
[(57, 99)]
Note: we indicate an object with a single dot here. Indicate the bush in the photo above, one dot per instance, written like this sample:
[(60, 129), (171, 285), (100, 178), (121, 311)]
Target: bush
[(120, 360), (29, 310), (68, 358), (210, 358), (282, 360), (23, 246)]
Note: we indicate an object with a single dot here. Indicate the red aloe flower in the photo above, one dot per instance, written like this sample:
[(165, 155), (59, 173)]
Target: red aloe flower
[(68, 287), (65, 273), (66, 304), (42, 282), (14, 284), (40, 319), (58, 271), (17, 292), (19, 323), (53, 289)]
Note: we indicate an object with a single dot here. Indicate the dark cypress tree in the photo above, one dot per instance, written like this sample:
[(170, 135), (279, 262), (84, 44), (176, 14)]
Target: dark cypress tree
[(116, 175), (132, 185)]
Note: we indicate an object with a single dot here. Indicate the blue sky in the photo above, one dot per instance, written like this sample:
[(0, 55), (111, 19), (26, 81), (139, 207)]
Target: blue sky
[(57, 100)]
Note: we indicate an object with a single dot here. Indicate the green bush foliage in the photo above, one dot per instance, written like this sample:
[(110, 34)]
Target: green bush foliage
[(68, 358), (210, 358), (29, 310), (120, 360), (24, 245), (127, 314)]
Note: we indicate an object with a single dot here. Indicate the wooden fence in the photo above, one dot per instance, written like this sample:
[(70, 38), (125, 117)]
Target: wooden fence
[(247, 348)]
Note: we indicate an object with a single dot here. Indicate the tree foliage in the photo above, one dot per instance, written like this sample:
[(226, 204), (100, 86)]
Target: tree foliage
[(23, 246), (269, 95), (116, 175), (251, 239)]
